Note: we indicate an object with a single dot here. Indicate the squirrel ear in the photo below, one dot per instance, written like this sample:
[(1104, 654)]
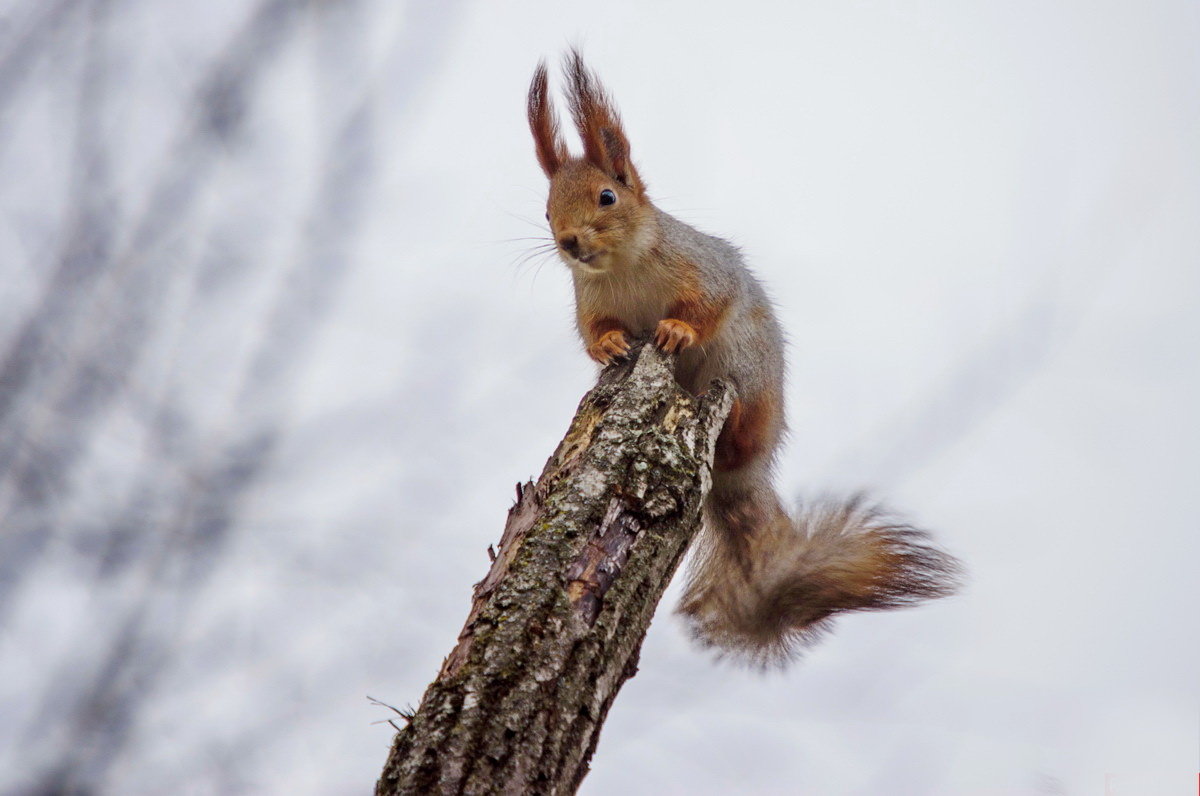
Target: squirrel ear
[(543, 122), (616, 148), (604, 143)]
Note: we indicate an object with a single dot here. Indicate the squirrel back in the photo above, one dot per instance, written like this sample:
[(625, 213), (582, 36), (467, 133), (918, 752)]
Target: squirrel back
[(762, 582)]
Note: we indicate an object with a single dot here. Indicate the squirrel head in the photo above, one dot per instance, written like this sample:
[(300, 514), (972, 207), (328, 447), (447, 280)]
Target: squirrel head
[(599, 214)]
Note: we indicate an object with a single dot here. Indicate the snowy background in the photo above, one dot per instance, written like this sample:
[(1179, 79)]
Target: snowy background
[(272, 358)]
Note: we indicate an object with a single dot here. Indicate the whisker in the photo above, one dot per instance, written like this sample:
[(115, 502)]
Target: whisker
[(543, 238), (538, 258), (525, 219), (532, 254)]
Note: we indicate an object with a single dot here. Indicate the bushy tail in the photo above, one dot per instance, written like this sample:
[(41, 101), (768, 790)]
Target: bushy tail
[(764, 584)]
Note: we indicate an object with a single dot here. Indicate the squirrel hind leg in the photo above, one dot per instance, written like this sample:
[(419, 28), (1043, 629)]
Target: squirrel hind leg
[(750, 435)]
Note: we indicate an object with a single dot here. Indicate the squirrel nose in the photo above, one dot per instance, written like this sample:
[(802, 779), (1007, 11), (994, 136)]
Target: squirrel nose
[(570, 243)]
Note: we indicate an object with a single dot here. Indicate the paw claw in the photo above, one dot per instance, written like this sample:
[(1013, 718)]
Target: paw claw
[(673, 335), (609, 347)]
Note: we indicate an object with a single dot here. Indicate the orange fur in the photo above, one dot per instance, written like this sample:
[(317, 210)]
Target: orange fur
[(747, 433), (702, 313)]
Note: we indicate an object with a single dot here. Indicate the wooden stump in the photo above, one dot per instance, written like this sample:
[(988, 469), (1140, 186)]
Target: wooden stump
[(556, 625)]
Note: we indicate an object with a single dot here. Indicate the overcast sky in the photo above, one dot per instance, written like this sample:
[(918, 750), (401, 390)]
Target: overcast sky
[(980, 224)]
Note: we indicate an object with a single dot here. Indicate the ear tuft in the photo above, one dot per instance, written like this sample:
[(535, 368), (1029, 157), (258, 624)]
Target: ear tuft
[(604, 143), (543, 123)]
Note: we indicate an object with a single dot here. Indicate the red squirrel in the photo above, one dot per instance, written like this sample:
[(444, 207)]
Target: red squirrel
[(763, 583)]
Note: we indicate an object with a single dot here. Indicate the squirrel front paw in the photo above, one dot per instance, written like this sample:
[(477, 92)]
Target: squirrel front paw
[(609, 346), (674, 335)]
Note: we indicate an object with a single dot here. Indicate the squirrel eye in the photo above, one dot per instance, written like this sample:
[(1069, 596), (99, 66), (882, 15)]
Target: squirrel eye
[(607, 197)]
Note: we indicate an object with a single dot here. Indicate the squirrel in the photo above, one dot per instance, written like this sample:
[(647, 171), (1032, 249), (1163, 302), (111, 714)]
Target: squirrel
[(763, 583)]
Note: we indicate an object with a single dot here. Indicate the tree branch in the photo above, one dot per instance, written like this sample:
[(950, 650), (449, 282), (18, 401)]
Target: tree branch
[(556, 625)]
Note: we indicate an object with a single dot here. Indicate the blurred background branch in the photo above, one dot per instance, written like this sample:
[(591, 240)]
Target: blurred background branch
[(128, 312)]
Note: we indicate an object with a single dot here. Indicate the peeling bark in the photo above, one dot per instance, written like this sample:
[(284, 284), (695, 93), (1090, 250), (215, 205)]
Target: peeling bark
[(556, 626)]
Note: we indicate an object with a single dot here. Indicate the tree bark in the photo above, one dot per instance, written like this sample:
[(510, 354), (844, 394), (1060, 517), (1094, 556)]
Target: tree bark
[(556, 626)]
